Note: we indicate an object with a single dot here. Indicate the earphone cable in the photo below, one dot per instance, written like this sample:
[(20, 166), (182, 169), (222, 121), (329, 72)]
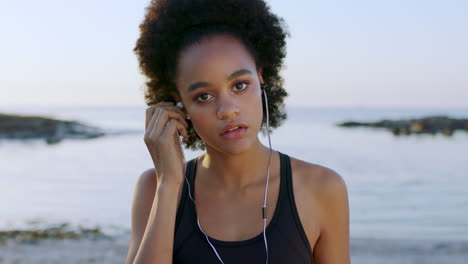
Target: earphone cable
[(268, 178)]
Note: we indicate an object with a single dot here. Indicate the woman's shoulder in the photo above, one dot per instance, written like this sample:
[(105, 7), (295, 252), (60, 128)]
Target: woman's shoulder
[(318, 184), (146, 186), (321, 197), (314, 176)]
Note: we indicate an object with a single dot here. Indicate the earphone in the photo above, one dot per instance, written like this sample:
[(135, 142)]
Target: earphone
[(264, 215), (181, 105)]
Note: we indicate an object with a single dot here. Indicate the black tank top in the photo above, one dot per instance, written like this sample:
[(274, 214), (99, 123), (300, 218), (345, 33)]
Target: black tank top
[(287, 241)]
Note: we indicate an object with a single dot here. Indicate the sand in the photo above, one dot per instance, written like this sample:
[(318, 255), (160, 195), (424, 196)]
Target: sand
[(114, 250)]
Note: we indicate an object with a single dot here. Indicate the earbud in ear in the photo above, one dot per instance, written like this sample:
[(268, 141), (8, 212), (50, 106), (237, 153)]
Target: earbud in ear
[(263, 86), (181, 105)]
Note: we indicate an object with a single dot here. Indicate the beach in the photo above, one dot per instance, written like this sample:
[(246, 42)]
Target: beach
[(114, 250)]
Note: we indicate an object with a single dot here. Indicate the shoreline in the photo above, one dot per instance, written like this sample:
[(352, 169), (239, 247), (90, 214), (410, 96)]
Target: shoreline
[(94, 246)]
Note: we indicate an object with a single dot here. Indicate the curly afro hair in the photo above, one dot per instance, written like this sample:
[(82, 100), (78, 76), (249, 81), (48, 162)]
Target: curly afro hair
[(171, 25)]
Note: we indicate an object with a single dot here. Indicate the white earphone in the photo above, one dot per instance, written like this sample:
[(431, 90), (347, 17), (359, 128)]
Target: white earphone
[(181, 105)]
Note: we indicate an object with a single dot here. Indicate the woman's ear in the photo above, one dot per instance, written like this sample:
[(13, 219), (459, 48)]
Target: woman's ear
[(175, 96), (177, 100), (260, 73)]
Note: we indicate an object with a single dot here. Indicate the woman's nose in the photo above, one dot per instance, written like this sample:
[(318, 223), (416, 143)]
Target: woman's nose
[(228, 108)]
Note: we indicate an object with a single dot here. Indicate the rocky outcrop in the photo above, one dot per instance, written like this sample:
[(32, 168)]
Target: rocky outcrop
[(427, 125), (51, 130), (60, 231)]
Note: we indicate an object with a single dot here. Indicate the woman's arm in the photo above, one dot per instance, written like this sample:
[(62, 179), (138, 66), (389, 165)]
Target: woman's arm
[(332, 246), (153, 221)]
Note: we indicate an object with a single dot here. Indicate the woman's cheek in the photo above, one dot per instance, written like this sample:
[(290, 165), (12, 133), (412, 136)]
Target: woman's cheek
[(200, 125)]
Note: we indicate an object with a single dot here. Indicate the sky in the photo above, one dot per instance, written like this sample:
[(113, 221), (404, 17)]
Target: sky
[(360, 53)]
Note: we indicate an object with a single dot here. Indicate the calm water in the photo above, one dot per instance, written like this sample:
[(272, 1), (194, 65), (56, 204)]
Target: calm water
[(399, 187)]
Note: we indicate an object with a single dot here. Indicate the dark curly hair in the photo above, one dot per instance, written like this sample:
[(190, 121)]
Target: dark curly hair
[(171, 25)]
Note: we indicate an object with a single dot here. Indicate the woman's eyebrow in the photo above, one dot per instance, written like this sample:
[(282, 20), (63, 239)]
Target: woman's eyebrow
[(233, 75)]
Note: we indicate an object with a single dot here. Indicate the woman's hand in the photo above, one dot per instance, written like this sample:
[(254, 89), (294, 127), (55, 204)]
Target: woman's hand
[(163, 120)]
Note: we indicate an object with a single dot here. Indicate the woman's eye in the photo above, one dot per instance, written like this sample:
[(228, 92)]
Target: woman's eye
[(242, 85), (203, 97)]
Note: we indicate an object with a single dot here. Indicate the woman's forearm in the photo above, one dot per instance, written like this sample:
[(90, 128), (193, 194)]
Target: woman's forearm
[(157, 243)]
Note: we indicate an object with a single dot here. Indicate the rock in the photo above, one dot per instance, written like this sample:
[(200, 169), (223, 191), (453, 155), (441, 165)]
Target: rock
[(51, 130), (426, 125), (60, 231)]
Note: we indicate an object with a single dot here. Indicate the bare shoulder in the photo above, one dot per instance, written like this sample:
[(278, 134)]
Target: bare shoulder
[(320, 181), (147, 180), (320, 186), (324, 210), (143, 197)]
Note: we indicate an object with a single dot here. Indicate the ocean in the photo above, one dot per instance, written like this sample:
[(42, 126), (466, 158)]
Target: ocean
[(407, 187)]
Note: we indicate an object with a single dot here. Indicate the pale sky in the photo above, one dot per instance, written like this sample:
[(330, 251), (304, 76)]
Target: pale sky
[(364, 53)]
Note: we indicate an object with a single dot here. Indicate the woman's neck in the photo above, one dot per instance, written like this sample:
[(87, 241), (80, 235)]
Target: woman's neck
[(239, 171)]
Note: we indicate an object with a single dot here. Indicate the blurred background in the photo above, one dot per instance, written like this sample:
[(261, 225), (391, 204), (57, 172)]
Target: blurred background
[(347, 60)]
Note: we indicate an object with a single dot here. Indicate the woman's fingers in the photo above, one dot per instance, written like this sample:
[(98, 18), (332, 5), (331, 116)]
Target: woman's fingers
[(150, 111), (153, 121), (180, 113), (178, 110), (163, 120), (170, 130), (167, 105), (160, 120)]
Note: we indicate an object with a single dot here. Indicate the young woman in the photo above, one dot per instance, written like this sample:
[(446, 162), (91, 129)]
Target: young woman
[(213, 68)]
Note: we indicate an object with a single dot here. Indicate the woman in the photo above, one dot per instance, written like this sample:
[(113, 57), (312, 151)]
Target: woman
[(240, 201)]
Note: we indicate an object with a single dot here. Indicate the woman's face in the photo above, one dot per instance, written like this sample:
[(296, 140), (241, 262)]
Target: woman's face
[(219, 85)]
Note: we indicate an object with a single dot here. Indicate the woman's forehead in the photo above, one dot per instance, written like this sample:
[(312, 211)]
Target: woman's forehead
[(212, 58)]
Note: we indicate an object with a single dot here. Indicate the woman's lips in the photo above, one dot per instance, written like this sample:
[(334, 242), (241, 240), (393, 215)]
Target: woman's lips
[(236, 133)]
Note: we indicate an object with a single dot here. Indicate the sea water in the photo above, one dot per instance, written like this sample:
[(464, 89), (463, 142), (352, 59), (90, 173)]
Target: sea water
[(407, 187)]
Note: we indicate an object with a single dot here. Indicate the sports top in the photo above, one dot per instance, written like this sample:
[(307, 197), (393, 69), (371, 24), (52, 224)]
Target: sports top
[(287, 241)]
